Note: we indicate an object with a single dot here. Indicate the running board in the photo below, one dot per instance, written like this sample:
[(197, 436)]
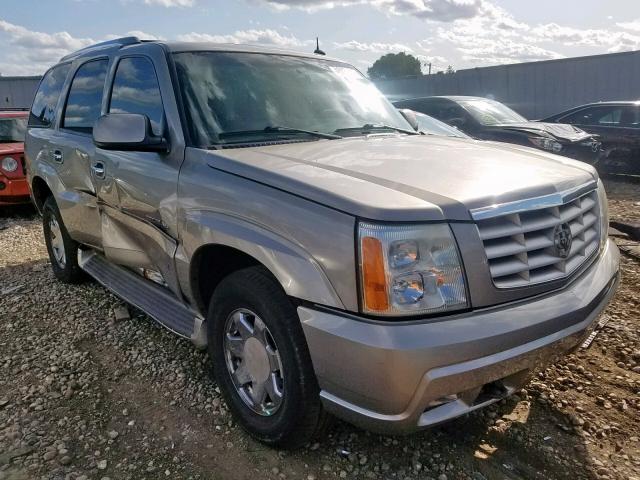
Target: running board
[(155, 301)]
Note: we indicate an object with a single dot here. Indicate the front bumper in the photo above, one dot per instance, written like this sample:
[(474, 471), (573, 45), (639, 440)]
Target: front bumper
[(13, 191), (399, 377)]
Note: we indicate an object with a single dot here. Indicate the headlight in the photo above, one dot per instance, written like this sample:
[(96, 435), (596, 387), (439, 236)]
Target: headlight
[(546, 144), (409, 269), (604, 214), (9, 164)]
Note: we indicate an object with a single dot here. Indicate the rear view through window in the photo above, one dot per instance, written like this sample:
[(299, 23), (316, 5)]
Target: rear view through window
[(136, 90), (85, 97), (44, 105)]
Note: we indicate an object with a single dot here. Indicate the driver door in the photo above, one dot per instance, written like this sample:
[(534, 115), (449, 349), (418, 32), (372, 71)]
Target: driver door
[(137, 191)]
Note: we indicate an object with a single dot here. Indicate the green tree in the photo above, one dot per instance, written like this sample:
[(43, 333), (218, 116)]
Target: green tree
[(450, 70), (394, 65)]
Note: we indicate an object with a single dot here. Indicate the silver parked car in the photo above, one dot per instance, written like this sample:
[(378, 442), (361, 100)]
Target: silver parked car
[(277, 209)]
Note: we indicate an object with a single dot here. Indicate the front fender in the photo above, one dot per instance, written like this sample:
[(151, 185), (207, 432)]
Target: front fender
[(298, 272)]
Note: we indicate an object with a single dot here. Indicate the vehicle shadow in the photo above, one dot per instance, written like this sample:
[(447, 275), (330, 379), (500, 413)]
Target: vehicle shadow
[(517, 438), (9, 213)]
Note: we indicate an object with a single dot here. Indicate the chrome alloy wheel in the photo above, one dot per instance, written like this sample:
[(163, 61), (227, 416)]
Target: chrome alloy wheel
[(253, 362), (57, 243)]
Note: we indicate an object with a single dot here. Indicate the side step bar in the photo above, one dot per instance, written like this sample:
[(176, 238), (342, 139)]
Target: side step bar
[(158, 303)]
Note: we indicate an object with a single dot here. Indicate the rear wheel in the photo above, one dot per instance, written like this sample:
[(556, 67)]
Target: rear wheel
[(63, 250), (261, 362)]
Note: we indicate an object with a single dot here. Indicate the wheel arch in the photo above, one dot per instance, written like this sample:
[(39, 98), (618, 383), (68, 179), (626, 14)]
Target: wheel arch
[(40, 191), (226, 244)]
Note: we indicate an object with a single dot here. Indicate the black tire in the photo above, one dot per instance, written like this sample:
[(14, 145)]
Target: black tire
[(300, 417), (67, 271)]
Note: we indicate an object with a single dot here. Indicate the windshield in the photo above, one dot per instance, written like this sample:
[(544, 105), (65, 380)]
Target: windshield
[(434, 126), (490, 112), (234, 97), (13, 129)]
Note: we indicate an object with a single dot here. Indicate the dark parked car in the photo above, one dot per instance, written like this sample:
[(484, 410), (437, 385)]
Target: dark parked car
[(617, 125), (490, 120)]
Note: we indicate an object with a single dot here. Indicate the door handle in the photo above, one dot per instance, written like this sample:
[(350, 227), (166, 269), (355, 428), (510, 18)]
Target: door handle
[(57, 156), (98, 169)]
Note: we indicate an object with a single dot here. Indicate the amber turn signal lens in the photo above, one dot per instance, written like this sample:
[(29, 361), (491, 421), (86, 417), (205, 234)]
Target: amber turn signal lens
[(374, 281)]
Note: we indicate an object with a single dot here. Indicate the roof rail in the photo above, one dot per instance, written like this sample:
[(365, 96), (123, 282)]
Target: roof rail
[(123, 41)]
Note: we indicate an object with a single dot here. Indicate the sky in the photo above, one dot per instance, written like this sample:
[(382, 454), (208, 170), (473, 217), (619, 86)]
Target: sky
[(34, 34)]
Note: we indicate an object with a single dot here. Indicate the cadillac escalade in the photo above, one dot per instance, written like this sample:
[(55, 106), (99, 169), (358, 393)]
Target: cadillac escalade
[(276, 209)]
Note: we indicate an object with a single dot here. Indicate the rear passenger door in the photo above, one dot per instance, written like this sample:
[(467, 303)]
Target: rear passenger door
[(138, 190), (74, 149)]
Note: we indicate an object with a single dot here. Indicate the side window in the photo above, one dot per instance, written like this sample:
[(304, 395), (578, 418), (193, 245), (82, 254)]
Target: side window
[(630, 117), (431, 107), (581, 117), (85, 96), (610, 118), (602, 116), (43, 110), (136, 90)]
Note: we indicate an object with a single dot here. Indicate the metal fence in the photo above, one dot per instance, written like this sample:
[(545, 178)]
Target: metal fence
[(535, 89), (17, 92)]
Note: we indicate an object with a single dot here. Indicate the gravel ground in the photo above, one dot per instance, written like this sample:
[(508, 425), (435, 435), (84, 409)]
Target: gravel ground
[(83, 396)]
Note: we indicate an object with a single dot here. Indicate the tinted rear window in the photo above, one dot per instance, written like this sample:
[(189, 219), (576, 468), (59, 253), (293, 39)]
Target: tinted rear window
[(136, 90), (43, 110), (85, 96)]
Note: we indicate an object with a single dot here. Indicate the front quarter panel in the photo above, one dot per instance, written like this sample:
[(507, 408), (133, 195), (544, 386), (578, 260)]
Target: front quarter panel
[(308, 247)]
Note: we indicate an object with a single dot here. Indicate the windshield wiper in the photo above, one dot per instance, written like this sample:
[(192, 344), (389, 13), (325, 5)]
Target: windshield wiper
[(278, 129), (329, 136), (368, 127)]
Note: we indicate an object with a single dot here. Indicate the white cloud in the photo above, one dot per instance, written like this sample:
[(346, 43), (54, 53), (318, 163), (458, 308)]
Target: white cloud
[(22, 37), (266, 36), (32, 52), (374, 47), (633, 25), (309, 5), (171, 3), (438, 10), (136, 33)]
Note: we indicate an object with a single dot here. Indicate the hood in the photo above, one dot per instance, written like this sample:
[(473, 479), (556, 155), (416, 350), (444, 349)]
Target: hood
[(408, 178), (11, 148), (560, 131)]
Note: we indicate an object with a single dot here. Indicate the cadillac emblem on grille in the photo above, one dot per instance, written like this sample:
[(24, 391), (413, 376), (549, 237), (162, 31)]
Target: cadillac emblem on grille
[(562, 240)]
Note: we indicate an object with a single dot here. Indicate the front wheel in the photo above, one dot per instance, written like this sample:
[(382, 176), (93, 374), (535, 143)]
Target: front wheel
[(261, 362), (63, 250)]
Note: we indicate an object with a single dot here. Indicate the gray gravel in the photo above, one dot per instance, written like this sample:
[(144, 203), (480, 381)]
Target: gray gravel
[(86, 396)]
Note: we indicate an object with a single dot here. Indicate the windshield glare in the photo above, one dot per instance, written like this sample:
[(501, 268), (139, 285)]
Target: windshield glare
[(246, 92), (490, 112), (13, 129)]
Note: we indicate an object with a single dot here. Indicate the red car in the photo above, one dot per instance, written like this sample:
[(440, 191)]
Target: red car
[(13, 184)]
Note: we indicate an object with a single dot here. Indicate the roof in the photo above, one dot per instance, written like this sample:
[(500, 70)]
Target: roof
[(193, 47), (455, 98), (610, 102), (240, 48)]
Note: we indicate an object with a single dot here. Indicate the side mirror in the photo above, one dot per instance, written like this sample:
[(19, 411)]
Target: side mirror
[(127, 131), (410, 117)]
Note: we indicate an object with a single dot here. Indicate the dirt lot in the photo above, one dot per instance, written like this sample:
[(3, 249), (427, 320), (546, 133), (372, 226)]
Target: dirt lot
[(83, 396)]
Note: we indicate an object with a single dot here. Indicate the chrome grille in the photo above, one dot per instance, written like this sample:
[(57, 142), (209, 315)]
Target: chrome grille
[(521, 245)]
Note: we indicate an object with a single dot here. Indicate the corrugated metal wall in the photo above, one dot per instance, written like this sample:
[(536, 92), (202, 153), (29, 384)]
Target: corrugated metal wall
[(536, 89), (17, 92)]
